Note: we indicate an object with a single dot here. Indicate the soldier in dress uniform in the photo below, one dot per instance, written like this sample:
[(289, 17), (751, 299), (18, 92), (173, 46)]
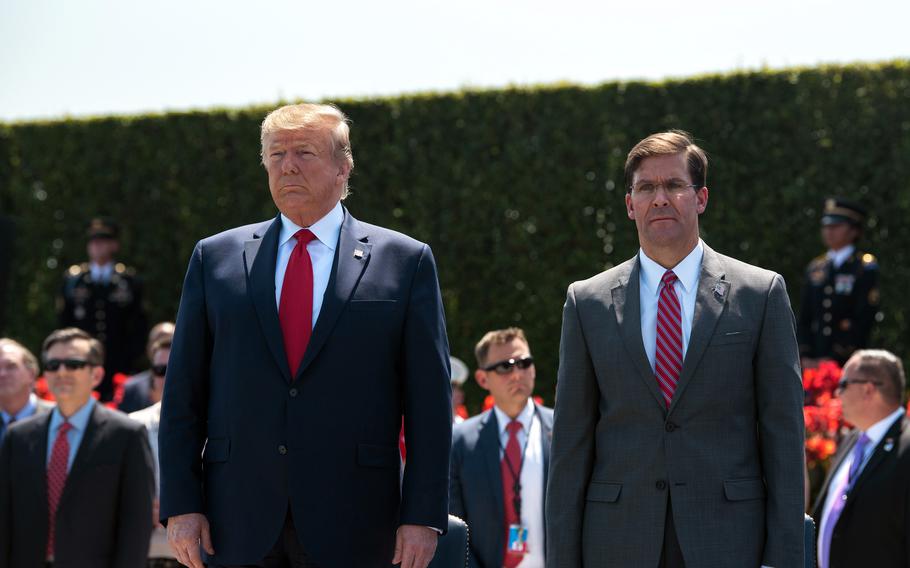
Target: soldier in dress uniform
[(104, 298), (840, 294)]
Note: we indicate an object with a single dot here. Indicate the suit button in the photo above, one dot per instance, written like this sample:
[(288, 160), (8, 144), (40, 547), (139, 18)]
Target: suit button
[(293, 393), (669, 426), (282, 449), (661, 485)]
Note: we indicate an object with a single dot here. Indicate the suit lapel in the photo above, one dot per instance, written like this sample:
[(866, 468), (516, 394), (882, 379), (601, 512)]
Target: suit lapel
[(352, 255), (627, 307), (488, 446), (91, 446), (260, 255), (713, 291), (885, 447), (842, 452)]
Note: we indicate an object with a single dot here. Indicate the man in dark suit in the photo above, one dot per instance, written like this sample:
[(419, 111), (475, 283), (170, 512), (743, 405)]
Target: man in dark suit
[(76, 484), (840, 297), (678, 430), (863, 509), (507, 525), (300, 344), (18, 371)]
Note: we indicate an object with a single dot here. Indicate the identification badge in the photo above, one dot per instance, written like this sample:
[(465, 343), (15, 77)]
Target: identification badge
[(518, 539)]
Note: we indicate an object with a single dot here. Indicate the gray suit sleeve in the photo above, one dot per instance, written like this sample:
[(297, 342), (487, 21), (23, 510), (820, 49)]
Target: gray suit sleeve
[(779, 401), (572, 450)]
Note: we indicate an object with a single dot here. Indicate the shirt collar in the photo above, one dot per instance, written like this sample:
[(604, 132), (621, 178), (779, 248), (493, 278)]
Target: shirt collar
[(838, 257), (686, 271), (79, 419), (877, 431), (326, 229), (524, 417), (24, 412)]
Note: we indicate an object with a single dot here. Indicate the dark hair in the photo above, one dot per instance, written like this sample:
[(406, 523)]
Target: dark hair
[(668, 143), (68, 334), (496, 337)]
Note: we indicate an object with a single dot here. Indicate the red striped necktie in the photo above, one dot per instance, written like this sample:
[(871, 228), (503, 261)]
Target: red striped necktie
[(56, 479), (668, 357)]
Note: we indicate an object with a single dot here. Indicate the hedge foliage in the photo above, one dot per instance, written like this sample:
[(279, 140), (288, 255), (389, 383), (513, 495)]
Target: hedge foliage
[(518, 191)]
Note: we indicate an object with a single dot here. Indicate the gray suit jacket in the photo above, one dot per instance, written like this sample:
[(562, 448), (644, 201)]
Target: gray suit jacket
[(728, 452)]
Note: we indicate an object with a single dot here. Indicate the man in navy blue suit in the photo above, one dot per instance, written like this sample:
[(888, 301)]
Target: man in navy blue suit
[(501, 493), (301, 342)]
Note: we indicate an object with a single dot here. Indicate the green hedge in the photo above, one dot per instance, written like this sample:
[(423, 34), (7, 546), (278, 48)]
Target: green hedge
[(519, 191)]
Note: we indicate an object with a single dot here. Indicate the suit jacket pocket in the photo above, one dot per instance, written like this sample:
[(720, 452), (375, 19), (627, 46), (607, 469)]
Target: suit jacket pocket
[(744, 489), (603, 492), (370, 455), (372, 305), (216, 450), (724, 338)]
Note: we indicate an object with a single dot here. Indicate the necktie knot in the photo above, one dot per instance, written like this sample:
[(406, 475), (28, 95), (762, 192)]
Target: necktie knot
[(513, 427), (64, 428), (304, 236), (669, 278)]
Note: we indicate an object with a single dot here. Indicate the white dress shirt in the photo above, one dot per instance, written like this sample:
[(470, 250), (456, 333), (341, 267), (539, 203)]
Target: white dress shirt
[(321, 250), (532, 489), (686, 288), (875, 433)]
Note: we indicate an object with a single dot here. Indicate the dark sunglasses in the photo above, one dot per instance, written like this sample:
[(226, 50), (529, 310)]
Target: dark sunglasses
[(505, 367), (159, 370), (53, 365), (842, 384)]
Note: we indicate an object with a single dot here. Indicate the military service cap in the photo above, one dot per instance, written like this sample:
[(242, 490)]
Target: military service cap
[(102, 228), (838, 210)]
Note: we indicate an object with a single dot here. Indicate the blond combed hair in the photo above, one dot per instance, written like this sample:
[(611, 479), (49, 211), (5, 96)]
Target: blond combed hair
[(304, 116)]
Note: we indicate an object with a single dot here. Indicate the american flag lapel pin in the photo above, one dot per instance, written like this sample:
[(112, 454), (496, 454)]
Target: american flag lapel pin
[(720, 290), (889, 444), (358, 254)]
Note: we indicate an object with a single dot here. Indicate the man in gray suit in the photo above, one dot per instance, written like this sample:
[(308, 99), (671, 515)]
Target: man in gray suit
[(678, 433), (18, 371)]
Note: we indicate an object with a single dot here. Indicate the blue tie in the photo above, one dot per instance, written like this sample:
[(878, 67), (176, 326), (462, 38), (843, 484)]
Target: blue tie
[(840, 499)]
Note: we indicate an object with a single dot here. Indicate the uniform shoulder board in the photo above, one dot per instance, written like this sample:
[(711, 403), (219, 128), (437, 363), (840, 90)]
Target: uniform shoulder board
[(121, 268), (820, 259), (77, 269), (869, 260)]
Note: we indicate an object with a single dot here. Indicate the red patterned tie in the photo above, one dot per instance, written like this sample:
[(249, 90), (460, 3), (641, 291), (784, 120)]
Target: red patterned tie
[(295, 312), (510, 467), (56, 479), (668, 357)]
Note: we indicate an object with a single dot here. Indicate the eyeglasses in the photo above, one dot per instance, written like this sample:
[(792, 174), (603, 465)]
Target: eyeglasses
[(159, 370), (673, 187), (842, 384), (54, 365), (505, 367)]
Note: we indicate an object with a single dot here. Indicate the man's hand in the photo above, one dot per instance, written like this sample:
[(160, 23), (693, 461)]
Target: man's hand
[(414, 546), (185, 533)]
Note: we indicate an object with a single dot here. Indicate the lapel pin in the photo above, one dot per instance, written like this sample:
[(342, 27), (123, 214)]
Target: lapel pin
[(720, 290), (358, 254), (889, 444)]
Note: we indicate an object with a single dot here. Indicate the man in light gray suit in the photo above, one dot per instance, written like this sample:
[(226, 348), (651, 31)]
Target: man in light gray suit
[(678, 434)]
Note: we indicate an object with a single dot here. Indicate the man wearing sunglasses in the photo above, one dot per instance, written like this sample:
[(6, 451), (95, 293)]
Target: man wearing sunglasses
[(863, 509), (76, 484), (137, 393), (678, 434), (500, 458)]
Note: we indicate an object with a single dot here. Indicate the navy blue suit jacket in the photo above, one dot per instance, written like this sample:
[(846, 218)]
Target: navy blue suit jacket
[(242, 440), (475, 483)]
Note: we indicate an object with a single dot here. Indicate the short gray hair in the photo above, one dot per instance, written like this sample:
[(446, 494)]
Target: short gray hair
[(885, 366), (28, 358)]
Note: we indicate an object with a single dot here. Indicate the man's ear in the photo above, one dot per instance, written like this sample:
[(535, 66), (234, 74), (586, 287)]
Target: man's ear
[(702, 196), (481, 377), (97, 375), (630, 211)]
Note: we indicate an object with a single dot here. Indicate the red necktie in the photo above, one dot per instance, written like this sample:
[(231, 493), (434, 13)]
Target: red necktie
[(56, 479), (295, 311), (668, 357), (511, 477)]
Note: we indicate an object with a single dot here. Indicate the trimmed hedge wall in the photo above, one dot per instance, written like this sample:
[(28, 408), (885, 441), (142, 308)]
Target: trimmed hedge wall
[(518, 191)]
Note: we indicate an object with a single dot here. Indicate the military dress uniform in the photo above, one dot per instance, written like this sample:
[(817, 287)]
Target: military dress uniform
[(112, 312), (838, 306)]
